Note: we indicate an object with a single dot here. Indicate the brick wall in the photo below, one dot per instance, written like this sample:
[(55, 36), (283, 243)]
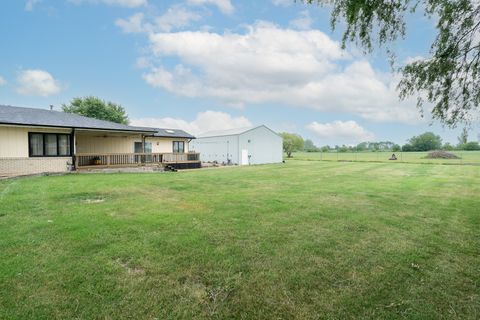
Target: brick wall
[(24, 166)]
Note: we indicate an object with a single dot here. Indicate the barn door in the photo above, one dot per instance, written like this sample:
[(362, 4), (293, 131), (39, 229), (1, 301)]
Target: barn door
[(244, 157)]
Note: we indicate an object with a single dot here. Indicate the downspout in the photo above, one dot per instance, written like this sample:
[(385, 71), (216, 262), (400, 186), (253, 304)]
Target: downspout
[(73, 151), (143, 156)]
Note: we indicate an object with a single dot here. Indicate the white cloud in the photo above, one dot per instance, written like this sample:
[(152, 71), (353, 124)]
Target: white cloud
[(269, 64), (346, 131), (30, 4), (174, 18), (205, 121), (37, 83), (133, 24), (283, 3), (303, 21), (121, 3), (224, 6), (2, 81)]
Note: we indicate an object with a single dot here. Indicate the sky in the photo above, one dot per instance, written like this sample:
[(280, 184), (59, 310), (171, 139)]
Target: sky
[(203, 65)]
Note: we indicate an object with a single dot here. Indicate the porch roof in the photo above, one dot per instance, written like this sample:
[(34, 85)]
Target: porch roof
[(47, 118)]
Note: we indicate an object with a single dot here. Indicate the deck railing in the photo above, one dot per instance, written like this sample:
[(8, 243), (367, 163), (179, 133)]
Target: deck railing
[(133, 159)]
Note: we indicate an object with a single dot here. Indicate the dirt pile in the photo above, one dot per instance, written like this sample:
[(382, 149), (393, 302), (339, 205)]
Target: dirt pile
[(441, 155)]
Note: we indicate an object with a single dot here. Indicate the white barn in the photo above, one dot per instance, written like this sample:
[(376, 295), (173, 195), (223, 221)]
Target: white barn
[(243, 146)]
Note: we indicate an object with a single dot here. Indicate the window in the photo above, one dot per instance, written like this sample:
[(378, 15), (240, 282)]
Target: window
[(138, 147), (178, 147), (63, 145), (49, 145), (36, 144)]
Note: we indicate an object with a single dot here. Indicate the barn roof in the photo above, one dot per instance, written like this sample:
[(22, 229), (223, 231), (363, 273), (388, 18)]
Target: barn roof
[(231, 132)]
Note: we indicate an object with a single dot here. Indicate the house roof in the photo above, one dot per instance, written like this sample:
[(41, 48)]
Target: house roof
[(230, 132), (48, 118), (172, 133)]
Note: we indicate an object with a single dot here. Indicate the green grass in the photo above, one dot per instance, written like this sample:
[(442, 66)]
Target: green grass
[(466, 157), (304, 240)]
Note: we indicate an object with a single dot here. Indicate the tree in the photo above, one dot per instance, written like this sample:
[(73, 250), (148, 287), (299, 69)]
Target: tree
[(362, 146), (407, 147), (448, 78), (463, 137), (472, 145), (291, 142), (396, 148), (309, 146), (447, 147), (94, 107), (325, 148), (425, 142)]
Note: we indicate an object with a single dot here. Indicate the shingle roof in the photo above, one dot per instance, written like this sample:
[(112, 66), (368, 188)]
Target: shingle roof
[(172, 133), (48, 118)]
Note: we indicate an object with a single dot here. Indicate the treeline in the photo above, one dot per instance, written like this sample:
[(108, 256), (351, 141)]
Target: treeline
[(425, 142)]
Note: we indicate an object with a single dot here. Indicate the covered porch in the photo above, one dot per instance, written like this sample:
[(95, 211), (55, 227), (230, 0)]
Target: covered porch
[(99, 149)]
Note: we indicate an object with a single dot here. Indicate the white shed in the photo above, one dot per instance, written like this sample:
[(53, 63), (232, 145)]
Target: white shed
[(243, 146)]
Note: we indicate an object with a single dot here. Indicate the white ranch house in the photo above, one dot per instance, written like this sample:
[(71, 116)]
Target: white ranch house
[(38, 140)]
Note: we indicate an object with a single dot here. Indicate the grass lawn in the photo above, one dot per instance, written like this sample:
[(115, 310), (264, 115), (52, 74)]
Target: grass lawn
[(304, 240), (466, 157)]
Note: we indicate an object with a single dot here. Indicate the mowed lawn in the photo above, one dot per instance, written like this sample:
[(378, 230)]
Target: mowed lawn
[(301, 240), (464, 157)]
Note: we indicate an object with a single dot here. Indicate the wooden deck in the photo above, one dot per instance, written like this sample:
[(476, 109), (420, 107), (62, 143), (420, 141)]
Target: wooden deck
[(116, 160)]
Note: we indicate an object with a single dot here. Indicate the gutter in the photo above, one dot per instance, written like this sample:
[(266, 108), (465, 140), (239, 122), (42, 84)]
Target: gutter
[(72, 127)]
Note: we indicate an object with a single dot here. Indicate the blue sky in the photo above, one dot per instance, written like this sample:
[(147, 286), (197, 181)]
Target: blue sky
[(205, 65)]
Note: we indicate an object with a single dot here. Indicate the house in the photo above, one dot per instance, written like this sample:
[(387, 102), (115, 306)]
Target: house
[(243, 146), (38, 140)]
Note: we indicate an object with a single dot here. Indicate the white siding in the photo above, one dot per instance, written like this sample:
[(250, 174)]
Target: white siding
[(14, 140), (165, 145), (263, 145), (218, 149)]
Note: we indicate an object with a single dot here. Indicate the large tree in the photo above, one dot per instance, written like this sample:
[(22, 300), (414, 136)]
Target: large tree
[(291, 142), (449, 77), (425, 142), (97, 108)]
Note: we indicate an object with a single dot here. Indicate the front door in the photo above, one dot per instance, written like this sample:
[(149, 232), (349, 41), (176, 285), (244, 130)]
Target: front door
[(244, 157)]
